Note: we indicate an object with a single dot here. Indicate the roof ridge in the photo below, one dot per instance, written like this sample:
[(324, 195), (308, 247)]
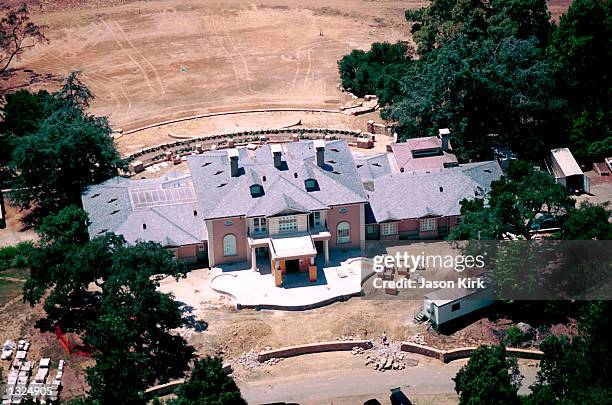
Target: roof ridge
[(174, 223)]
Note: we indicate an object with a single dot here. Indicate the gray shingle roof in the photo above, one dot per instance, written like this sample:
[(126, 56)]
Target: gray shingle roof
[(222, 195), (403, 195), (166, 206), (373, 166)]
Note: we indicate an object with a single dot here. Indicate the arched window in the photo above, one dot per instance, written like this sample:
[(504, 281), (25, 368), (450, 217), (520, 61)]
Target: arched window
[(344, 232), (229, 245)]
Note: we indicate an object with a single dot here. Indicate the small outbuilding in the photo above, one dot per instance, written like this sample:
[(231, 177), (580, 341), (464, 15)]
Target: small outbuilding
[(567, 172), (448, 304)]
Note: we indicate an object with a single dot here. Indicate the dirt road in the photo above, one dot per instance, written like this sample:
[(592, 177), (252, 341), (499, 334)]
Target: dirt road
[(341, 378)]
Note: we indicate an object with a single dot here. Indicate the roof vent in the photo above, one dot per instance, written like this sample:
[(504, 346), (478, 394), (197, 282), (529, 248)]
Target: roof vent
[(295, 175), (441, 189), (206, 164), (376, 164), (144, 226), (334, 150), (195, 213), (114, 212), (112, 200), (401, 170), (218, 172), (221, 185), (95, 195)]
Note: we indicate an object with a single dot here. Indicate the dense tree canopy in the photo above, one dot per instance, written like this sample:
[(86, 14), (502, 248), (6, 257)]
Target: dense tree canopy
[(377, 71), (499, 73), (489, 377), (106, 291), (577, 371), (580, 52), (514, 202), (55, 156), (208, 385)]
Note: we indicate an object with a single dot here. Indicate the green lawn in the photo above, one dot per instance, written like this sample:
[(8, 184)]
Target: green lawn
[(15, 273), (9, 290)]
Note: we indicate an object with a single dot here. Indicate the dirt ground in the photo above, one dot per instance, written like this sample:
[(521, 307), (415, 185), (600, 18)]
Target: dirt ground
[(155, 60), (241, 122), (15, 231)]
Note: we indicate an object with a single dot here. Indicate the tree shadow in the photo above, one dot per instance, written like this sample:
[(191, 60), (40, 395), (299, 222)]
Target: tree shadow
[(22, 78)]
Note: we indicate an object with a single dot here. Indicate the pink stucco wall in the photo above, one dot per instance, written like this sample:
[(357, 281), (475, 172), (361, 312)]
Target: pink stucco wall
[(353, 217), (188, 253), (220, 229)]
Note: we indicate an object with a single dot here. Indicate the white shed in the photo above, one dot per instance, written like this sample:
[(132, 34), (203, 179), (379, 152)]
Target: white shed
[(445, 305), (567, 172)]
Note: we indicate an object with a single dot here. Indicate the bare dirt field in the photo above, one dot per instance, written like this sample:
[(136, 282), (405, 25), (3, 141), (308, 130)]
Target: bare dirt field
[(155, 60)]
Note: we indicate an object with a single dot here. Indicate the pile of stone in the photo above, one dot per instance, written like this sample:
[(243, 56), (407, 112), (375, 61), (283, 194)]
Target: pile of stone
[(384, 355), (349, 337), (272, 361), (358, 350), (248, 361), (418, 339)]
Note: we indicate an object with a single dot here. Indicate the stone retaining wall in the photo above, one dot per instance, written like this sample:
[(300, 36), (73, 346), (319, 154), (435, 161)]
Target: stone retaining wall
[(464, 352), (163, 389), (344, 345), (209, 142), (215, 114)]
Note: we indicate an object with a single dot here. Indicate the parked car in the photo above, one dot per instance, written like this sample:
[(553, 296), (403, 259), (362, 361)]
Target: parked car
[(545, 221)]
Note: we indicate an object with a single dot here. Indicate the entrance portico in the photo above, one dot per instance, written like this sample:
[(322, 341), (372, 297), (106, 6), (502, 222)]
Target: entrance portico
[(291, 252)]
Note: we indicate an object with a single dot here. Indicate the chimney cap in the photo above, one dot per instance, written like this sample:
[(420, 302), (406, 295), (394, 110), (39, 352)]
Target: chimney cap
[(232, 153), (276, 148), (319, 144), (444, 131)]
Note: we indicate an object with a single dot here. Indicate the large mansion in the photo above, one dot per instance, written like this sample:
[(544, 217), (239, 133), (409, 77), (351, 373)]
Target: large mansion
[(290, 201)]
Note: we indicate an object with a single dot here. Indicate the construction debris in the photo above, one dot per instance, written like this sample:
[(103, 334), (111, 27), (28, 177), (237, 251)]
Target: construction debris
[(385, 355), (249, 360), (418, 339), (20, 385)]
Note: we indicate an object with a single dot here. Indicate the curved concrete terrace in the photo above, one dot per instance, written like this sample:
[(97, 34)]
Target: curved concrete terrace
[(338, 281)]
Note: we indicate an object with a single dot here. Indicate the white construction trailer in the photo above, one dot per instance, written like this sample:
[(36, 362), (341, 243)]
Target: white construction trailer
[(445, 305), (566, 171)]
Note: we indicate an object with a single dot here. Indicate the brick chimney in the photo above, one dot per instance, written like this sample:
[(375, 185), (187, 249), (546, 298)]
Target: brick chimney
[(444, 134), (277, 153), (319, 146), (233, 157)]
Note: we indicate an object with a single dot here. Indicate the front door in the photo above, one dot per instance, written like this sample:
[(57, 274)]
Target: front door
[(292, 266)]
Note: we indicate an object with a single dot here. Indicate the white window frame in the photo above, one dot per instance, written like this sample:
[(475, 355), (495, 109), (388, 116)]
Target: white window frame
[(389, 228), (343, 235), (287, 223), (428, 224), (260, 224), (229, 248)]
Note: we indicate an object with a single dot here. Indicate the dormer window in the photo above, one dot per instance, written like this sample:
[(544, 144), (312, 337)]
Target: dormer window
[(311, 185), (257, 190)]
